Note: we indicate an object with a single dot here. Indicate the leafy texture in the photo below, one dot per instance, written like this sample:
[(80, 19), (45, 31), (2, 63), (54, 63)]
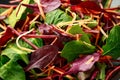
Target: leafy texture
[(47, 6), (3, 60), (17, 13), (112, 46), (86, 6), (7, 36), (78, 30), (74, 48), (12, 71), (11, 68), (84, 63), (42, 57), (102, 67), (57, 16), (12, 51)]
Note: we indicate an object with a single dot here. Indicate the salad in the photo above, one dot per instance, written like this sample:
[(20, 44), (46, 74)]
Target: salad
[(59, 40)]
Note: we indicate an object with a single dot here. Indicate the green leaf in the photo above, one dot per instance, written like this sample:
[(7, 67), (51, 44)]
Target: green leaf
[(102, 67), (56, 16), (78, 30), (106, 3), (3, 60), (12, 71), (92, 25), (112, 46), (73, 49), (12, 51), (17, 13), (2, 10)]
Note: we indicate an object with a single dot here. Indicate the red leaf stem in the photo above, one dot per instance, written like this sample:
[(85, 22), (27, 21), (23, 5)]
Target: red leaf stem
[(40, 36), (30, 43), (112, 72)]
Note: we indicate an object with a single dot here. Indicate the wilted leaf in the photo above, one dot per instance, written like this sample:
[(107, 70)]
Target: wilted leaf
[(84, 63), (74, 48), (12, 71), (112, 46), (57, 16), (42, 57)]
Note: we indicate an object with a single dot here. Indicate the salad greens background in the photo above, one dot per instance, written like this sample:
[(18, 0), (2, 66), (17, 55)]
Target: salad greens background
[(10, 69)]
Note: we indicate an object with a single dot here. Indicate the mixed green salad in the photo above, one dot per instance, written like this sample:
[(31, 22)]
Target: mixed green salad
[(59, 40)]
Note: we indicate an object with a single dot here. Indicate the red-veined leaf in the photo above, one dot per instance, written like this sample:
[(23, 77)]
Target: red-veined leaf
[(47, 5), (42, 57), (86, 6), (84, 63)]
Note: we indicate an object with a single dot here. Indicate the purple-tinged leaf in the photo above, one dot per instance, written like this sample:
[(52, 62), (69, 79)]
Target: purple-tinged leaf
[(47, 5), (61, 36), (86, 6), (84, 63), (42, 57), (45, 29), (7, 36)]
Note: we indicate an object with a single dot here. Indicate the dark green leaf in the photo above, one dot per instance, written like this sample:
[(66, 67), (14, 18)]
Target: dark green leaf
[(57, 16), (78, 30), (112, 46), (3, 60), (74, 48), (106, 3), (12, 71)]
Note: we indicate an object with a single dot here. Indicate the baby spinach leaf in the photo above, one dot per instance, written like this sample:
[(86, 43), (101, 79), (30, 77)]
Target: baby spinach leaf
[(12, 71), (78, 30), (17, 13), (112, 46), (73, 49), (57, 16)]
